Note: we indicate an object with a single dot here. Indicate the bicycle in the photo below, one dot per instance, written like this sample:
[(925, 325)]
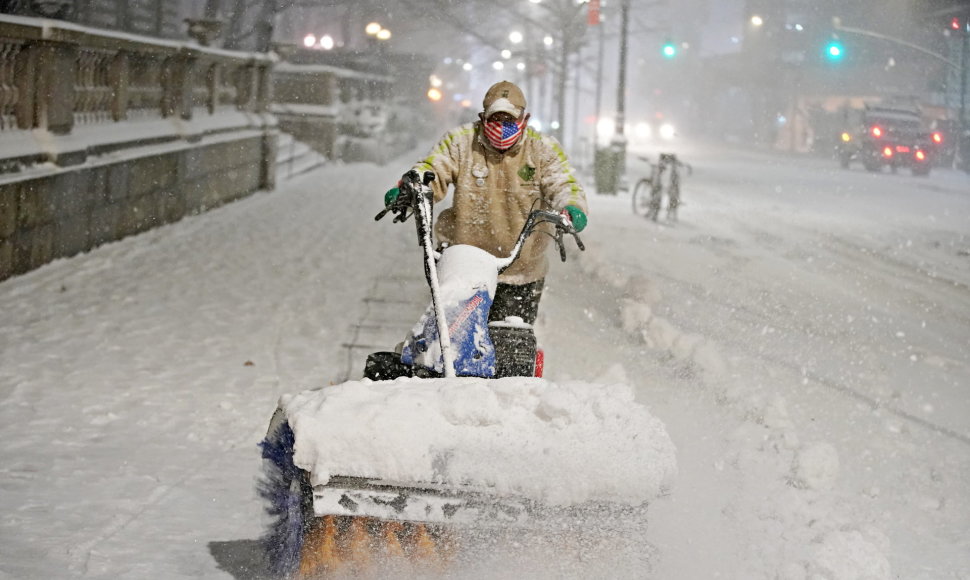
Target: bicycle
[(650, 205)]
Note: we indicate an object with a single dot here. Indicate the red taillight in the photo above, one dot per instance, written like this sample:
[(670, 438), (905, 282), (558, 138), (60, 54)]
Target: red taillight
[(902, 149), (887, 152), (937, 137), (876, 131), (540, 362), (920, 156)]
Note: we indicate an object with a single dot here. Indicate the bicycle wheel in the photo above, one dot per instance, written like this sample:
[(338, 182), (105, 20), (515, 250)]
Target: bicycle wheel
[(641, 196)]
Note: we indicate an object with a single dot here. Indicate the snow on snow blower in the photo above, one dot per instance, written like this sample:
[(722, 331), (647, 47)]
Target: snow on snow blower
[(453, 431)]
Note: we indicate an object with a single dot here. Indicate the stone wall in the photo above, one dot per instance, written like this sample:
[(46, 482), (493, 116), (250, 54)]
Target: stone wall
[(70, 211)]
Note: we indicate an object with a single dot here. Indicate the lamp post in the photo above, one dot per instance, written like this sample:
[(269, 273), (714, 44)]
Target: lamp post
[(621, 80), (609, 163)]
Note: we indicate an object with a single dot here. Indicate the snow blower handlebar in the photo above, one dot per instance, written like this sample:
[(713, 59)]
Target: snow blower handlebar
[(416, 198), (412, 187), (536, 217)]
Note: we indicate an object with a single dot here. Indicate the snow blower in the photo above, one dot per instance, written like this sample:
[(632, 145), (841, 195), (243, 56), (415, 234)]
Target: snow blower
[(453, 431)]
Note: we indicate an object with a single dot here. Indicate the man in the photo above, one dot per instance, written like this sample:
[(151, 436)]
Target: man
[(501, 170)]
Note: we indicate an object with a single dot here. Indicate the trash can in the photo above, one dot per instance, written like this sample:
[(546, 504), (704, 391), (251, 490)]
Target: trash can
[(608, 166)]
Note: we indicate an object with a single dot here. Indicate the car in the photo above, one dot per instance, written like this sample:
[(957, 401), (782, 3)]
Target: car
[(887, 137)]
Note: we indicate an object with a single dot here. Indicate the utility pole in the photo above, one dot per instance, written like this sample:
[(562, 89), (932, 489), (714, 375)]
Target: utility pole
[(621, 81), (560, 131), (964, 65), (599, 86), (577, 84)]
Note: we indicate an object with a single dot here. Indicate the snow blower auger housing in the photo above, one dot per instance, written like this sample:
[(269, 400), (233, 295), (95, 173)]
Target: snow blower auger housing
[(390, 470)]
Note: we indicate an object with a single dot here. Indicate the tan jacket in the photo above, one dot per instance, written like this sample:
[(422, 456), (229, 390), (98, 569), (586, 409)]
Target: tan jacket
[(495, 191)]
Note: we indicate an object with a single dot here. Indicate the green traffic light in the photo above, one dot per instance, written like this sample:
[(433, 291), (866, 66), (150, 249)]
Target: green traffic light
[(669, 50), (834, 51)]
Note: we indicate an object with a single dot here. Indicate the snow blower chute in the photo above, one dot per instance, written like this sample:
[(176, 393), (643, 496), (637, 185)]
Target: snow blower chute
[(453, 431)]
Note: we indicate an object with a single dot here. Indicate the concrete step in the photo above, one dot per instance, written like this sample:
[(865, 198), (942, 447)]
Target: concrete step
[(295, 157)]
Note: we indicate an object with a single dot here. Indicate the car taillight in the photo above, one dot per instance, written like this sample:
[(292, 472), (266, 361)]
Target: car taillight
[(887, 151), (937, 137), (902, 149), (920, 156), (876, 131)]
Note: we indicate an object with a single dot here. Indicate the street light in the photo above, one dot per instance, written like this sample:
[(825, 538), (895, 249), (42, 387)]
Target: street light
[(373, 28)]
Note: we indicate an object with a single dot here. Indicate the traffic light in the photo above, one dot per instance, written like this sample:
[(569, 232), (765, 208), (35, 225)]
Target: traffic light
[(834, 51), (669, 49), (955, 23)]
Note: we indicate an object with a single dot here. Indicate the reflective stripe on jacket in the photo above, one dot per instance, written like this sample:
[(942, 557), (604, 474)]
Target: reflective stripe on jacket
[(495, 191)]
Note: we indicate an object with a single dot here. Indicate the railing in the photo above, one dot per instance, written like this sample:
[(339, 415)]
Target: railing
[(324, 85), (60, 77), (94, 86)]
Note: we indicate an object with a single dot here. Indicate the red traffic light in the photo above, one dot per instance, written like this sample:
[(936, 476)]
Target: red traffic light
[(955, 23)]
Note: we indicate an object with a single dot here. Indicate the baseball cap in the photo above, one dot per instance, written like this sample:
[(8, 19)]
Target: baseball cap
[(504, 97)]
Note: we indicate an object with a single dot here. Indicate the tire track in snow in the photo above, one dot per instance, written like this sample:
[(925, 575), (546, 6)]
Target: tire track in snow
[(658, 332)]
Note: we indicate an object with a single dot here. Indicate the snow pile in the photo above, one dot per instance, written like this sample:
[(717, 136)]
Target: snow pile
[(561, 444), (637, 316), (822, 537)]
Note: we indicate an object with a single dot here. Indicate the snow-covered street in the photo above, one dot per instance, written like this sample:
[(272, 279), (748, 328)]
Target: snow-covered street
[(803, 332)]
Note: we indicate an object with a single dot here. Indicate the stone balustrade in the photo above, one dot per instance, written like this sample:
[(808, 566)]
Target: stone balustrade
[(56, 77), (341, 112)]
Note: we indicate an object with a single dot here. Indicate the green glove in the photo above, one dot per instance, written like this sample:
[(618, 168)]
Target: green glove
[(576, 216), (391, 196)]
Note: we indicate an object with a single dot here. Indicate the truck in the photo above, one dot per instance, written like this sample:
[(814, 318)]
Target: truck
[(880, 136)]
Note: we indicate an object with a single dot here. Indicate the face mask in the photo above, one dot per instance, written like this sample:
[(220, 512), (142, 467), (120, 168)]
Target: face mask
[(503, 134)]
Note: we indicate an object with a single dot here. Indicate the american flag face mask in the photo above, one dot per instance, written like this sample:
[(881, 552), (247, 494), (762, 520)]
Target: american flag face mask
[(503, 134)]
